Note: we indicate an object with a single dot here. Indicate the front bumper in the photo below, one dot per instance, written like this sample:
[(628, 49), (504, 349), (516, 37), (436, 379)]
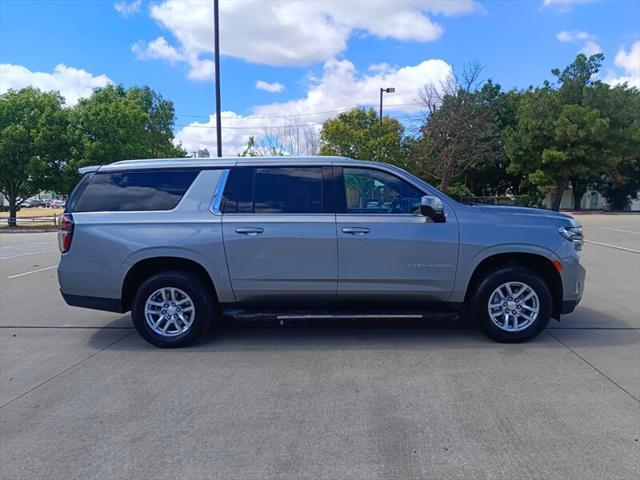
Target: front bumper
[(573, 289), (569, 306)]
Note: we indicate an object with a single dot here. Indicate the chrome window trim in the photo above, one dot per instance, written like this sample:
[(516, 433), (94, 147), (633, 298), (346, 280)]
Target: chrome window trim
[(216, 201)]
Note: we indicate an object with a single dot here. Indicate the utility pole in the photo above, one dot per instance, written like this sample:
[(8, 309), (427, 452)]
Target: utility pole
[(384, 90), (216, 35)]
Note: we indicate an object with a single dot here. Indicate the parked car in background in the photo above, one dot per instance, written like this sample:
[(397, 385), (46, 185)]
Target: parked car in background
[(58, 204), (27, 204), (180, 241)]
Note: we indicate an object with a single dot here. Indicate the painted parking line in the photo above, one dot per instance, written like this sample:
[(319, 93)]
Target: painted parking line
[(21, 255), (613, 246), (620, 230), (23, 250), (32, 271)]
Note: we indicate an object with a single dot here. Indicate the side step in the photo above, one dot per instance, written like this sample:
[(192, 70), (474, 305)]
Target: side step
[(244, 314)]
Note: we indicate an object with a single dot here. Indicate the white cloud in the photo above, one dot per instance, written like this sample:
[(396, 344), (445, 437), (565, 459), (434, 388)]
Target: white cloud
[(379, 67), (157, 49), (589, 45), (72, 83), (127, 9), (548, 3), (629, 62), (340, 88), (269, 87), (590, 48), (290, 32), (563, 5), (202, 69)]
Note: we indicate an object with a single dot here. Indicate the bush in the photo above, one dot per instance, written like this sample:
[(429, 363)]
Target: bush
[(459, 190)]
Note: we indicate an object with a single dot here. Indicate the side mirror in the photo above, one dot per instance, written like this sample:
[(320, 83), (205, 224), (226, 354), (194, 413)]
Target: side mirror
[(433, 208)]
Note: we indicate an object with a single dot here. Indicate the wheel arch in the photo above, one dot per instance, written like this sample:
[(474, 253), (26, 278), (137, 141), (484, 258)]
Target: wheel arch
[(147, 267), (539, 264)]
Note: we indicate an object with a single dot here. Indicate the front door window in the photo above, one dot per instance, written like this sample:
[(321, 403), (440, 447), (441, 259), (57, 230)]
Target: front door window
[(371, 191)]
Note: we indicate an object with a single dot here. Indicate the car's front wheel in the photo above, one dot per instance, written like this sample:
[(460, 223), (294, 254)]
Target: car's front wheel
[(171, 309), (512, 304)]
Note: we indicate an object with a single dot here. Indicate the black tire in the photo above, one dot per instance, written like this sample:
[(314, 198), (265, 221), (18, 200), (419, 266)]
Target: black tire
[(478, 304), (200, 295)]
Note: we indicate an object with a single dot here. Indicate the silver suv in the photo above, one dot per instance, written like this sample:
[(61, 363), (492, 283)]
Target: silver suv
[(180, 242)]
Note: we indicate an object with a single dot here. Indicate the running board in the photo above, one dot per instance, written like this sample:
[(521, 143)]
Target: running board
[(241, 314)]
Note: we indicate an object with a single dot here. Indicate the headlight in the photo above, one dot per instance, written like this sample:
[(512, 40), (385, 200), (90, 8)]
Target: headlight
[(573, 234)]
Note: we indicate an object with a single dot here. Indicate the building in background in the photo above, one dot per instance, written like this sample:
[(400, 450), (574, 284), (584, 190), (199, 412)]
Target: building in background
[(202, 153), (591, 200)]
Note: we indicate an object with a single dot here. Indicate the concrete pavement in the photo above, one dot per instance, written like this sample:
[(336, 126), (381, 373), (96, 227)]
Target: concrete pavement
[(83, 396)]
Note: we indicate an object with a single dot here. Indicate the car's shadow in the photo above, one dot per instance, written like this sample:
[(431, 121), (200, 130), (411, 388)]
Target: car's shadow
[(234, 335), (591, 318)]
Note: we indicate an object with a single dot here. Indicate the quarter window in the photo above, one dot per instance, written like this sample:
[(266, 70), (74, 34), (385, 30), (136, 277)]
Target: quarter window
[(134, 191), (369, 191)]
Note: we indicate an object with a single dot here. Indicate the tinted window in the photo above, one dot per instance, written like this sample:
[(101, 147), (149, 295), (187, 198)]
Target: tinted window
[(135, 191), (238, 193), (376, 192), (77, 192), (274, 190), (288, 190)]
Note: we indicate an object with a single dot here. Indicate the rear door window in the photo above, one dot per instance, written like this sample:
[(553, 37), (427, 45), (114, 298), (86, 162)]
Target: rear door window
[(275, 190), (288, 190), (135, 191)]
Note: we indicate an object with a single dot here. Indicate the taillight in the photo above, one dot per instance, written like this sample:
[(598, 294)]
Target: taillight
[(65, 233)]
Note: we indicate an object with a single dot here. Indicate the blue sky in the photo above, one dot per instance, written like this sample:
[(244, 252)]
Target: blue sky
[(314, 56)]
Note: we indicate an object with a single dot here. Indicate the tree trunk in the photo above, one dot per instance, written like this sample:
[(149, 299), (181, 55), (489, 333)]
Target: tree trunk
[(579, 189), (577, 197), (13, 211), (557, 196), (446, 180)]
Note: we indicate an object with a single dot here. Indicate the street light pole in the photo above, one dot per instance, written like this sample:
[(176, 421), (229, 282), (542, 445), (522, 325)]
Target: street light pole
[(384, 90), (216, 36)]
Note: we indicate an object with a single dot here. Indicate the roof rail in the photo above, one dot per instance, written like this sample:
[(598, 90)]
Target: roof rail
[(90, 169)]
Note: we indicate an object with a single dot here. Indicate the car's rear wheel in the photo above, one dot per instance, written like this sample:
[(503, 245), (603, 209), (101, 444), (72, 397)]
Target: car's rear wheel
[(172, 309), (512, 304)]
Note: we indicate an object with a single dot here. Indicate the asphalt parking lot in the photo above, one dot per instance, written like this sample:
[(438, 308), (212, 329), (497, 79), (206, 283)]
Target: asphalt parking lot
[(83, 396)]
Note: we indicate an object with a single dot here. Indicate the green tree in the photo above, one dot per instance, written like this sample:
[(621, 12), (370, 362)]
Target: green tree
[(562, 134), (116, 123), (33, 143), (358, 134), (250, 149), (621, 105), (621, 185)]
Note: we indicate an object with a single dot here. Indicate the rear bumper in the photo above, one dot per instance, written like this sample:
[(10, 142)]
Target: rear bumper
[(94, 303)]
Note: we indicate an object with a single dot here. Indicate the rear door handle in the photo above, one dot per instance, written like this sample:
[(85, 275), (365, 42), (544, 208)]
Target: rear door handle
[(355, 230), (251, 231)]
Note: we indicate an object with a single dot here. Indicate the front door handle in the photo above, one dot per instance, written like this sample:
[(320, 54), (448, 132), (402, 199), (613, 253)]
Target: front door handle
[(355, 230), (251, 231)]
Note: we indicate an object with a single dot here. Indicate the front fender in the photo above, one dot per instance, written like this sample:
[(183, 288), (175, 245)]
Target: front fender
[(471, 258)]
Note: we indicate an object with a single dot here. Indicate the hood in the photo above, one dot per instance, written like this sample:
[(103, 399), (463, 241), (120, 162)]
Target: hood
[(559, 218)]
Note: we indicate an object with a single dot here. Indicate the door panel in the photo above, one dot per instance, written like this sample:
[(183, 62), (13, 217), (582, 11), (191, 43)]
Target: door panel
[(395, 255), (279, 238), (274, 257), (399, 256)]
